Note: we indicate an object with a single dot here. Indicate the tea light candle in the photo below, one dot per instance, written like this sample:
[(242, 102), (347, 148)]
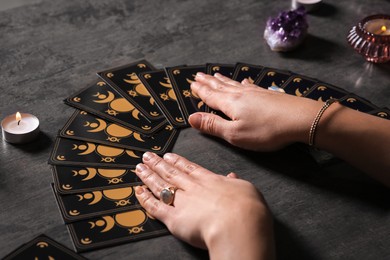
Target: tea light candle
[(310, 5), (20, 128), (378, 26)]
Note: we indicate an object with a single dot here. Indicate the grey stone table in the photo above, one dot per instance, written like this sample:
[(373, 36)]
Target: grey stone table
[(50, 48)]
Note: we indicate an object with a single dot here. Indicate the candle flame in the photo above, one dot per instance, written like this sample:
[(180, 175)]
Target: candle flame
[(383, 28), (18, 116)]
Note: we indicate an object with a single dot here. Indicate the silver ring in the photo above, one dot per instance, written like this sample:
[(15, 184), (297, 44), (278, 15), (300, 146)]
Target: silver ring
[(167, 195)]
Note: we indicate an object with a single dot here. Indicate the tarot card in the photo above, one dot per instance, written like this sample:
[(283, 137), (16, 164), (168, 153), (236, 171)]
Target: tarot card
[(90, 204), (125, 80), (246, 71), (358, 103), (77, 179), (181, 79), (272, 77), (43, 247), (81, 153), (298, 85), (224, 69), (114, 229), (102, 100), (160, 87), (383, 112), (322, 92), (87, 127)]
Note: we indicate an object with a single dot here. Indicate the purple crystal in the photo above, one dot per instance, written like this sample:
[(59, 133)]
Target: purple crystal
[(287, 30)]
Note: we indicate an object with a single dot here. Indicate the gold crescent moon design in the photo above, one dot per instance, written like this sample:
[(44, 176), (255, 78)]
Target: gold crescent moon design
[(141, 65), (172, 94), (154, 113), (111, 173), (80, 197), (167, 85), (76, 99), (69, 132), (91, 174), (60, 158), (298, 93), (97, 196), (147, 76), (131, 218), (179, 119), (101, 83), (42, 244), (245, 68), (110, 222), (66, 187), (110, 97), (169, 127), (86, 241), (271, 73), (141, 89), (351, 100), (322, 88), (137, 137), (131, 154), (216, 68), (121, 105), (135, 113), (102, 125), (200, 104), (74, 212), (176, 72), (382, 114), (156, 148), (146, 127), (118, 194), (297, 80), (132, 81), (90, 148), (118, 131), (83, 113), (110, 74), (109, 150)]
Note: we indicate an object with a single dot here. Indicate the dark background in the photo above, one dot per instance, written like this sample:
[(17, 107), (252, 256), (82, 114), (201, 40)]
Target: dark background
[(50, 49)]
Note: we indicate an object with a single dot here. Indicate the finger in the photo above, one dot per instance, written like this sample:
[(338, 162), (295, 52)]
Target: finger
[(214, 82), (215, 98), (227, 80), (166, 171), (232, 175), (151, 179), (210, 124), (184, 165), (153, 206)]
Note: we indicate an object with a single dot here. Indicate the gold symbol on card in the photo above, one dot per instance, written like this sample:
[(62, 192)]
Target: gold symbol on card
[(176, 72), (382, 114), (66, 187), (169, 128), (101, 83), (299, 94), (156, 148), (74, 212), (42, 244), (297, 80), (69, 132), (351, 100), (60, 158), (216, 68), (141, 65), (147, 76), (322, 88), (169, 94), (179, 119), (271, 73), (116, 105), (83, 113), (86, 241), (110, 75), (76, 99), (245, 68)]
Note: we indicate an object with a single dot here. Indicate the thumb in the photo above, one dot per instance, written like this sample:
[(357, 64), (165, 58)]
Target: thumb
[(209, 123)]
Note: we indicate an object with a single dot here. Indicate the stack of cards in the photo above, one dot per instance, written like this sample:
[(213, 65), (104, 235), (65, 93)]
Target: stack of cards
[(133, 109)]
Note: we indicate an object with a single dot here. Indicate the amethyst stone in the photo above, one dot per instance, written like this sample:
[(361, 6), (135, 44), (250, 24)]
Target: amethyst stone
[(287, 30)]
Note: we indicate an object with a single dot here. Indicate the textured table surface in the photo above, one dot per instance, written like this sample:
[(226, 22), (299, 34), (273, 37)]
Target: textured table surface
[(50, 49)]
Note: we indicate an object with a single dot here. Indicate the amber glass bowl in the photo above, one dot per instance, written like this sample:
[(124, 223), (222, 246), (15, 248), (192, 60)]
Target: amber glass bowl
[(373, 47)]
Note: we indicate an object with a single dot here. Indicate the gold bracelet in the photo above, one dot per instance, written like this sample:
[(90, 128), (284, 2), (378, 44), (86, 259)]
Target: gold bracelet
[(314, 125)]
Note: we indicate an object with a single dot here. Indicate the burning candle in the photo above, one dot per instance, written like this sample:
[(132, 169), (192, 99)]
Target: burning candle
[(20, 128), (378, 26)]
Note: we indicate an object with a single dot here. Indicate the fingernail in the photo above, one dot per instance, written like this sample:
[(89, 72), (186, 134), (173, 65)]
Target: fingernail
[(195, 84), (199, 75), (218, 75), (140, 167), (169, 156), (139, 190), (147, 156), (195, 120)]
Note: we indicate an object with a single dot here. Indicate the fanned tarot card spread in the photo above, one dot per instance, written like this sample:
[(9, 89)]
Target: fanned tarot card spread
[(383, 112), (160, 87), (358, 103), (298, 85), (90, 204), (43, 247), (113, 229), (102, 100), (246, 71), (125, 80), (81, 153), (270, 77), (322, 92), (77, 179), (181, 78), (223, 69), (87, 127)]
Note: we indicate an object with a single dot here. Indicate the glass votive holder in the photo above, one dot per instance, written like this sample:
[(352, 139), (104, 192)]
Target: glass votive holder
[(371, 38)]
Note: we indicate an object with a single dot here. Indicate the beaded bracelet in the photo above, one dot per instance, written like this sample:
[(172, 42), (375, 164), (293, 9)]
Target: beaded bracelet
[(314, 125)]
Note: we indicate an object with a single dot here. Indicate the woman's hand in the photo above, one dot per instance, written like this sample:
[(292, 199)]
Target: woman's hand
[(261, 119), (226, 215)]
